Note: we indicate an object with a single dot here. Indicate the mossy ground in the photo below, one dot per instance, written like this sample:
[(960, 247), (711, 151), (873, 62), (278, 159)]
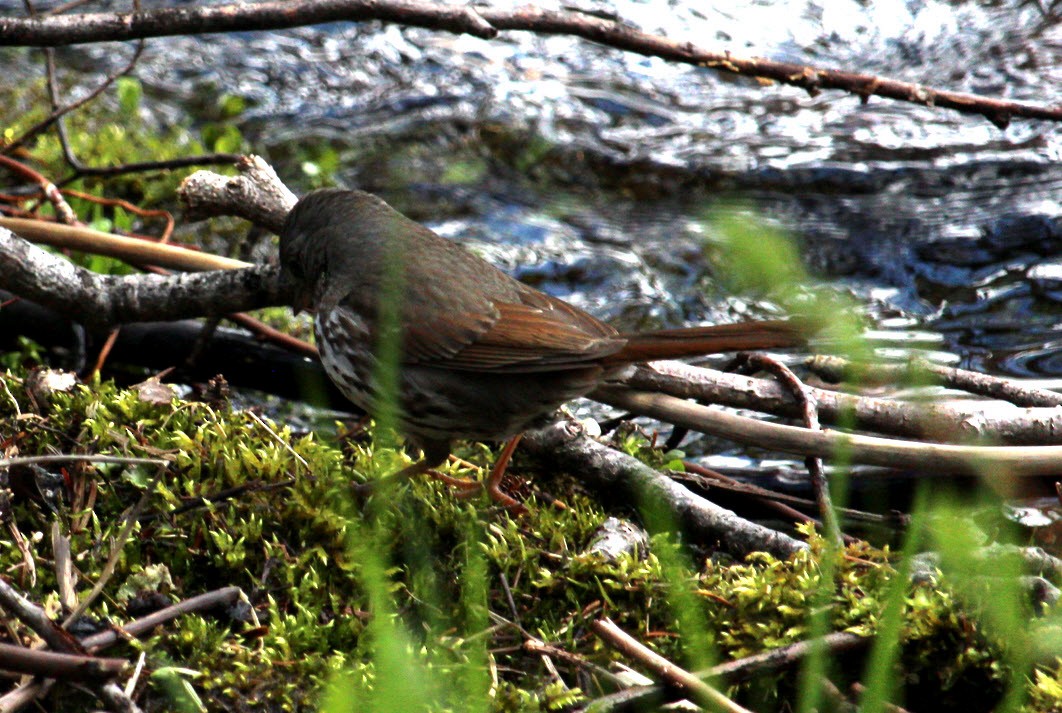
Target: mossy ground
[(329, 578)]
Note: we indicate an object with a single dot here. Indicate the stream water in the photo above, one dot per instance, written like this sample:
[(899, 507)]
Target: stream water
[(588, 170)]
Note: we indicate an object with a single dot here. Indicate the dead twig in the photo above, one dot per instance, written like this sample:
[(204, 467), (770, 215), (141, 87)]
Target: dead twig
[(51, 191), (203, 602), (989, 420), (810, 415), (632, 648), (64, 666), (565, 445), (743, 669), (838, 369), (932, 459), (18, 606)]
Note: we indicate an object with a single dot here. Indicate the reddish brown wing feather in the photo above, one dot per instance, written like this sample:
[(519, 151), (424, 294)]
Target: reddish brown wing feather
[(539, 334)]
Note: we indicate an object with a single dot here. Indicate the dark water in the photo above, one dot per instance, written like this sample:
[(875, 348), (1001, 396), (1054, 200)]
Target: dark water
[(588, 171)]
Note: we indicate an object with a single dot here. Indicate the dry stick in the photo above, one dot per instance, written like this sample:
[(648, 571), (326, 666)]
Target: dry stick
[(119, 246), (630, 647), (131, 517), (68, 667), (81, 457), (485, 23), (119, 27), (36, 619), (709, 479), (14, 700), (101, 301), (838, 368), (743, 669), (257, 195), (535, 646), (1040, 425), (809, 412), (202, 602), (28, 564), (25, 694), (64, 568), (118, 700), (928, 458), (51, 191), (566, 446)]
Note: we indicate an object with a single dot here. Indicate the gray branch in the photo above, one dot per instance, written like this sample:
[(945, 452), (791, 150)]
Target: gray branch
[(615, 474), (104, 300)]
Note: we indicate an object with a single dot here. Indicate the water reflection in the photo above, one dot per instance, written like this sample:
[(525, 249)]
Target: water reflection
[(588, 169)]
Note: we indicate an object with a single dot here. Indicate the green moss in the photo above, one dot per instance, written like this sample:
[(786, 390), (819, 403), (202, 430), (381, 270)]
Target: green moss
[(291, 537)]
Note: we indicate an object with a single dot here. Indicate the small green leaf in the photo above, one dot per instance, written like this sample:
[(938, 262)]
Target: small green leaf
[(182, 695)]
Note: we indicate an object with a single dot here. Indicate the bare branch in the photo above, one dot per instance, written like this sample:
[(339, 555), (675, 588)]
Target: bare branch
[(257, 194), (63, 30), (69, 667), (626, 644), (203, 602), (15, 604), (104, 300), (935, 459), (615, 474), (966, 421), (837, 369)]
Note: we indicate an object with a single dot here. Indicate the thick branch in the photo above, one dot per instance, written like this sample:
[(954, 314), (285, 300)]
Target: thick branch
[(614, 474), (964, 420), (257, 194), (927, 458), (102, 300), (60, 30), (68, 667)]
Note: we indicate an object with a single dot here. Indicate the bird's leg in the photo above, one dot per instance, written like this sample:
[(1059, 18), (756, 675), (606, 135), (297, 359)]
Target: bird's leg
[(432, 455), (498, 471), (466, 486), (435, 455), (493, 484)]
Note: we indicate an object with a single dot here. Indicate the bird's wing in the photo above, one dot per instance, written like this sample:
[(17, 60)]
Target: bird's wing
[(536, 333)]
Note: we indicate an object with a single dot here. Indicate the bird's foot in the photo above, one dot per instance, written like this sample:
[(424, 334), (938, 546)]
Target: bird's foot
[(466, 487)]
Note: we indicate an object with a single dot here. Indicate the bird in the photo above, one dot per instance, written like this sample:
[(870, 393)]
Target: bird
[(480, 355)]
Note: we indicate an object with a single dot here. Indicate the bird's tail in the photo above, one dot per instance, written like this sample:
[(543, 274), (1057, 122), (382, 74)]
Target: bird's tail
[(695, 341)]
